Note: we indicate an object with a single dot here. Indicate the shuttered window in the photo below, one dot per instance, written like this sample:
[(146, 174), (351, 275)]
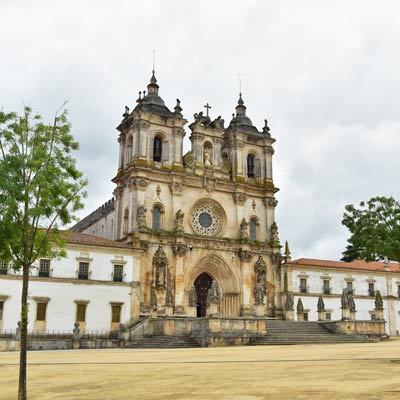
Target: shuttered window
[(81, 312), (41, 311), (116, 313)]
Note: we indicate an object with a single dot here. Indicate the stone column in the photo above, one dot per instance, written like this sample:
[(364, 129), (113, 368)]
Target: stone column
[(179, 249), (247, 289)]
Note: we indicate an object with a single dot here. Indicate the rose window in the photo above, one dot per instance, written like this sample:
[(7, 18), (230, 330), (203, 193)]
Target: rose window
[(206, 219)]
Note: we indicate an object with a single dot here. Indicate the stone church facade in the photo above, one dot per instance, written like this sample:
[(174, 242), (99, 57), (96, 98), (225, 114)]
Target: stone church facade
[(197, 220)]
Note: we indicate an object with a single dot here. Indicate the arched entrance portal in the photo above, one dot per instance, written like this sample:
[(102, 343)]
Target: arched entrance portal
[(202, 285)]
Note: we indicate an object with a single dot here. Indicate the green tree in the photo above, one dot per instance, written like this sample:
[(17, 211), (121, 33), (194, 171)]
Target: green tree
[(374, 228), (40, 189)]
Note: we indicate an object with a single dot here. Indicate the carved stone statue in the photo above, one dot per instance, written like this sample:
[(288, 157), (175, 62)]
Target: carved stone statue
[(243, 231), (169, 296), (274, 234), (207, 157), (76, 333), (300, 308), (378, 301), (352, 304), (345, 299), (259, 294), (213, 295), (289, 306), (321, 304), (193, 297), (160, 263), (141, 216), (179, 220), (261, 271)]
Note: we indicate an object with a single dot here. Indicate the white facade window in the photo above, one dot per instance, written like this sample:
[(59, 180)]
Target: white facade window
[(41, 310), (371, 289), (83, 272), (44, 267), (116, 313), (349, 286), (118, 273), (326, 287), (1, 310), (303, 285), (156, 222), (253, 229), (81, 312)]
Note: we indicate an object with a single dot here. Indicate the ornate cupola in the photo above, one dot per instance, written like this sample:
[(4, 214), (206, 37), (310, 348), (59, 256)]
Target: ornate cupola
[(152, 96)]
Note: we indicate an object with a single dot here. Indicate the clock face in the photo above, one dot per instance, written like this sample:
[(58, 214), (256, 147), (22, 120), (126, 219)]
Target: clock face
[(206, 218)]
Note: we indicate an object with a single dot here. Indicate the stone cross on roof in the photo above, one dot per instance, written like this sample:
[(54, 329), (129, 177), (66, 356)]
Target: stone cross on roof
[(207, 107)]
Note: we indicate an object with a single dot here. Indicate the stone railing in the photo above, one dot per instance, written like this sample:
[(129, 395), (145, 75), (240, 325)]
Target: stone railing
[(372, 328)]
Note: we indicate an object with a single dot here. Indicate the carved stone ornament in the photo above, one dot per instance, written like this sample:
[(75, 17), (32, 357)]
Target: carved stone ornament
[(153, 298), (118, 192), (259, 294), (137, 183), (193, 297), (213, 295), (76, 333), (352, 304), (244, 255), (239, 198), (169, 297), (243, 229), (260, 270), (378, 301), (274, 235), (160, 263), (270, 201), (141, 216), (345, 299), (176, 188), (300, 308), (209, 183), (179, 249), (321, 304), (179, 221), (289, 306), (275, 258)]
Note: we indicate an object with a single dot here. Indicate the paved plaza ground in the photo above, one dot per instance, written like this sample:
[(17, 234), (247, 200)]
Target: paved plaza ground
[(335, 371)]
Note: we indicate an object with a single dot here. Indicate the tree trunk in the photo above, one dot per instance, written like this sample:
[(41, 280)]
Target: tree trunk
[(22, 395)]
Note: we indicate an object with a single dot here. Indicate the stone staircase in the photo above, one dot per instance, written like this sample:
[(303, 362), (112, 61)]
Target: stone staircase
[(164, 342), (296, 332)]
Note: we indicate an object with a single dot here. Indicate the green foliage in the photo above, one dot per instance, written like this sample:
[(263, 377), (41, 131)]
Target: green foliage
[(40, 186), (374, 228)]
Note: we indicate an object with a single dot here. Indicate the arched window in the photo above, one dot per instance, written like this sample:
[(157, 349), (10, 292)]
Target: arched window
[(126, 221), (157, 149), (156, 223), (250, 165), (253, 229), (253, 166), (207, 153)]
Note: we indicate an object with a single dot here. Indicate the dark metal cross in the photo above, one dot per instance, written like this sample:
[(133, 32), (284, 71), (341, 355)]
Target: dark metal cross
[(207, 107)]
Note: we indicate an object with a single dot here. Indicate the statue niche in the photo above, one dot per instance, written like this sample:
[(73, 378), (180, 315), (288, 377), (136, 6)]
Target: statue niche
[(160, 264)]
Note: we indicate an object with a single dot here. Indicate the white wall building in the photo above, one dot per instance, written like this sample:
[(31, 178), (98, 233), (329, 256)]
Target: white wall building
[(307, 279), (92, 285)]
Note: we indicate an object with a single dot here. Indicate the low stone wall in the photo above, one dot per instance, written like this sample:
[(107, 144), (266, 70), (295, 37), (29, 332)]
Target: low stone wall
[(373, 328)]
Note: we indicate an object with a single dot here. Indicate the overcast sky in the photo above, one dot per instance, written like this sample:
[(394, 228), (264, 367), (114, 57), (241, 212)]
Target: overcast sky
[(326, 75)]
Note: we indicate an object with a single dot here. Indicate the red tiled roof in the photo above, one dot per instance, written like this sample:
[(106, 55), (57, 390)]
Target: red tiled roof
[(85, 239), (356, 264)]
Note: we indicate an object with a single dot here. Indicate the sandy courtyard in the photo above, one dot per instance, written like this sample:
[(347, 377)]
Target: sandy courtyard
[(343, 371)]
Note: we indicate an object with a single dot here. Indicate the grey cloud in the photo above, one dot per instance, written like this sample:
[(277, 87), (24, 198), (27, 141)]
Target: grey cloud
[(325, 75)]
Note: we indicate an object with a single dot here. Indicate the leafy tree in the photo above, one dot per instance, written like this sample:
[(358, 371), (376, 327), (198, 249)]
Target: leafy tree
[(374, 228), (40, 188)]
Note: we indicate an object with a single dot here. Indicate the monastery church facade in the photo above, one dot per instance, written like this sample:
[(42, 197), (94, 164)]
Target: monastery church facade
[(195, 218), (192, 235)]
